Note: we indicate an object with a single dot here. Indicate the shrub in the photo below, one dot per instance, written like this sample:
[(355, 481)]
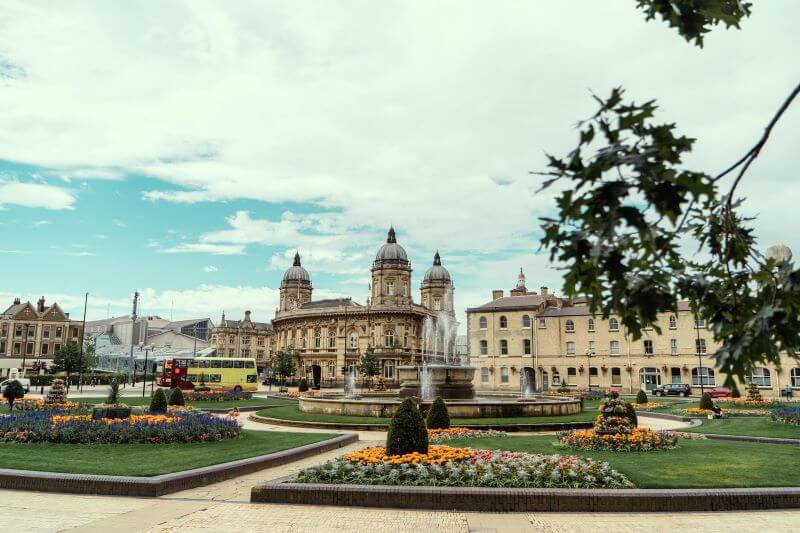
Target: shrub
[(735, 392), (303, 385), (158, 402), (113, 393), (15, 390), (407, 432), (706, 402), (176, 397), (438, 417), (641, 397), (630, 413), (753, 394), (57, 392)]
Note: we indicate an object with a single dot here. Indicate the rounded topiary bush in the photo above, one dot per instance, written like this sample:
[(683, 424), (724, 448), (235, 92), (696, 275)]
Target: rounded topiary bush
[(438, 417), (630, 413), (407, 432), (176, 397), (158, 402), (641, 397), (303, 385), (705, 402)]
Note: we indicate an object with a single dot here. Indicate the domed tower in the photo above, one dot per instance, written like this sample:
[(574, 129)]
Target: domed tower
[(520, 289), (391, 274), (295, 286), (437, 287)]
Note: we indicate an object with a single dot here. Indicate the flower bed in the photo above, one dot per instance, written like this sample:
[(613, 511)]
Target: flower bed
[(637, 440), (787, 415), (37, 404), (646, 405), (43, 426), (750, 402), (217, 396), (696, 411), (464, 467), (441, 435)]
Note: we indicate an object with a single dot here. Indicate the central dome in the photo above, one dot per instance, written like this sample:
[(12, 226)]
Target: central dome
[(296, 273), (437, 273), (391, 251)]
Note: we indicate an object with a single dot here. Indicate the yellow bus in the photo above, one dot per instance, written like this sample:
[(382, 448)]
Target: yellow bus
[(216, 373)]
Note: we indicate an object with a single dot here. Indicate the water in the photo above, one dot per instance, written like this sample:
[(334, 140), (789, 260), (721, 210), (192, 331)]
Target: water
[(525, 386), (350, 384), (427, 389), (439, 338)]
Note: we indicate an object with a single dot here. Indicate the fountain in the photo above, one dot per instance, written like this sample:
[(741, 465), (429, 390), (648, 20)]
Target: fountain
[(350, 384)]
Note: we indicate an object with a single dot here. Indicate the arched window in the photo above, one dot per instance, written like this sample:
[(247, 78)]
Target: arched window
[(388, 338), (673, 322), (437, 304), (795, 378), (761, 377), (388, 369), (613, 324), (331, 369), (556, 378), (331, 339), (504, 347), (569, 326), (705, 374), (390, 288), (353, 340), (484, 375), (570, 348), (503, 322), (591, 324), (503, 374), (526, 321), (482, 322), (317, 339), (303, 341), (484, 348)]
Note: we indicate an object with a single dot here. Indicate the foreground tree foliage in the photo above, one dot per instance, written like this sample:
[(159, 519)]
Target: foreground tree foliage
[(629, 208)]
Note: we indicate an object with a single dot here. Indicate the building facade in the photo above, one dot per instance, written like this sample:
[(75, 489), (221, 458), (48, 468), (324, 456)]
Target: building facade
[(330, 336), (35, 332), (243, 338), (538, 341)]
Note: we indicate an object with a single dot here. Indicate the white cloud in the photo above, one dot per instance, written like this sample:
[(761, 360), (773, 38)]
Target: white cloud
[(210, 268), (119, 223), (36, 195), (214, 249), (83, 253), (40, 223), (99, 236), (14, 252)]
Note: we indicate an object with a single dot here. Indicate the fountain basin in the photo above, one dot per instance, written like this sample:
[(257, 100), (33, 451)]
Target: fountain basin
[(471, 408), (448, 381)]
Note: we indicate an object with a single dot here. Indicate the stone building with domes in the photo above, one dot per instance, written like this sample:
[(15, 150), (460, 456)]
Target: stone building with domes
[(330, 336)]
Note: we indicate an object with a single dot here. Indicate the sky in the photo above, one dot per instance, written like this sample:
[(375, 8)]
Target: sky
[(188, 149)]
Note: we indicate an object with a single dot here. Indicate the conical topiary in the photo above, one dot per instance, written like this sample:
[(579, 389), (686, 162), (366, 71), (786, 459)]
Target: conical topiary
[(641, 397), (176, 397), (407, 432), (113, 393), (303, 385), (706, 402), (57, 392), (438, 417), (753, 394), (158, 402)]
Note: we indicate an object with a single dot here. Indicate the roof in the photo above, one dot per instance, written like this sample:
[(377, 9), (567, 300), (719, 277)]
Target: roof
[(583, 310), (236, 323), (391, 252), (437, 273), (296, 273), (331, 302), (527, 301)]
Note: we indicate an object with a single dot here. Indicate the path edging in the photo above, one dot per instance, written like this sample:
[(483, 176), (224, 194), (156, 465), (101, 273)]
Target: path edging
[(164, 483)]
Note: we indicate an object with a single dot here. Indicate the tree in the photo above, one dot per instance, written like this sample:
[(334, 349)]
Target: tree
[(68, 359), (407, 432), (283, 364), (438, 416), (641, 396), (13, 391), (629, 207), (369, 364), (176, 397), (158, 402)]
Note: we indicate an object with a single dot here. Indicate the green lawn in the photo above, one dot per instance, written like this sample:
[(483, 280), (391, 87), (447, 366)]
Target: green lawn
[(696, 464), (147, 459), (755, 427), (292, 412), (138, 400)]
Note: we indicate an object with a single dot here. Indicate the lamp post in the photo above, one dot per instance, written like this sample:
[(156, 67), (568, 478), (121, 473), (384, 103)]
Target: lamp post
[(25, 348), (133, 326), (144, 381), (83, 338), (589, 355), (699, 356)]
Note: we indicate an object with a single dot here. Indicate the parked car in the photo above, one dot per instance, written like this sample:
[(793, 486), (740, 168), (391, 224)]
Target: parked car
[(673, 389), (719, 392)]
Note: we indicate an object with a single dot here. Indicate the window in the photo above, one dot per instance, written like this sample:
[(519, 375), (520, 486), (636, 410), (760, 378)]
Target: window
[(648, 347), (591, 324), (569, 326), (503, 322), (526, 346), (4, 331), (613, 324), (504, 347), (614, 348), (794, 379), (2, 347), (29, 349), (556, 378), (331, 340), (246, 340), (593, 371), (260, 341), (616, 376), (526, 321), (484, 348), (18, 330), (388, 369), (437, 304), (761, 377), (700, 345), (388, 338), (231, 352), (570, 348), (44, 349), (405, 341), (591, 348), (31, 330), (331, 369), (260, 354), (572, 374), (673, 346), (484, 375), (675, 374), (503, 374), (317, 339), (246, 352), (17, 348), (390, 288), (231, 339), (353, 340), (482, 322), (46, 332), (699, 323), (705, 374), (673, 322)]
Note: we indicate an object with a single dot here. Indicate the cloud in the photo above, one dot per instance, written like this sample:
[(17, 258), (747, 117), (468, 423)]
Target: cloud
[(83, 253), (210, 268), (119, 223), (14, 252), (36, 195), (99, 236), (40, 223), (214, 249)]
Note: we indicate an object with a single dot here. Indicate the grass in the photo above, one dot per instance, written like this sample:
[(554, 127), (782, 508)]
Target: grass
[(292, 412), (147, 459), (754, 427), (138, 400), (695, 464)]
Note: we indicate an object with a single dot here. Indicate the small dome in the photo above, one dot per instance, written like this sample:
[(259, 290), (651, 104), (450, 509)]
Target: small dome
[(391, 251), (437, 273), (296, 273)]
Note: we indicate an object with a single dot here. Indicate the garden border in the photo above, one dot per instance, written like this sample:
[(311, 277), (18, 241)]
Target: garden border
[(484, 499), (349, 426), (164, 483)]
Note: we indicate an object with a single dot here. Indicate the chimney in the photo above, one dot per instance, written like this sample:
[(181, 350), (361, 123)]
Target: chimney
[(247, 315), (544, 292), (40, 305), (497, 294), (16, 301)]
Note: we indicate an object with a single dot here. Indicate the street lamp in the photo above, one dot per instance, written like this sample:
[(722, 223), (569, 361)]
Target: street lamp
[(589, 354), (699, 357)]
